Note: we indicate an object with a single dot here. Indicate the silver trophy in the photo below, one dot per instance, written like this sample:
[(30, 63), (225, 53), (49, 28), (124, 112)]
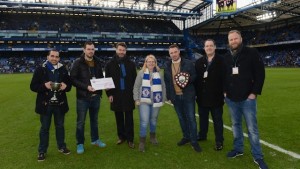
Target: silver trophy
[(54, 87)]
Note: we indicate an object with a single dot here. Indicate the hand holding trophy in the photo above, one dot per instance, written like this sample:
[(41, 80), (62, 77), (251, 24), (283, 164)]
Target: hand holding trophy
[(54, 87)]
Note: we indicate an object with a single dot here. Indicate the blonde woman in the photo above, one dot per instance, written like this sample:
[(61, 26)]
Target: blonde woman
[(149, 94)]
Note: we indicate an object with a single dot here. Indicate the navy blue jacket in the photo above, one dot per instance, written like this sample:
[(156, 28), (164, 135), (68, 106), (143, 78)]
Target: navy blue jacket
[(189, 90)]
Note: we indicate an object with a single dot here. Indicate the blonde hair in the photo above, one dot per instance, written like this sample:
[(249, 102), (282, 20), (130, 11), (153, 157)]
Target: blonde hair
[(150, 56), (235, 31)]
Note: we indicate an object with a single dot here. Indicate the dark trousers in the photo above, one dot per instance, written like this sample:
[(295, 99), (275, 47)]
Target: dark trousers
[(45, 120), (216, 113), (124, 122)]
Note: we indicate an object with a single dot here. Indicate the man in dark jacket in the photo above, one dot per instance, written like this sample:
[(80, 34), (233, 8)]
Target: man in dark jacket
[(49, 103), (244, 81), (210, 72), (179, 77), (123, 73), (84, 69)]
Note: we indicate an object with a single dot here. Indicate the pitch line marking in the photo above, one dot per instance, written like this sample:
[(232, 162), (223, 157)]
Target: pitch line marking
[(272, 146)]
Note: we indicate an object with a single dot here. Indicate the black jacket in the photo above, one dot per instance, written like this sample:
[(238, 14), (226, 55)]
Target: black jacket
[(209, 90), (250, 78), (122, 100), (81, 76), (40, 77)]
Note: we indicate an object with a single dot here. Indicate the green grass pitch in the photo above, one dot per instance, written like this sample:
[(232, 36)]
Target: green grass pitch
[(278, 120)]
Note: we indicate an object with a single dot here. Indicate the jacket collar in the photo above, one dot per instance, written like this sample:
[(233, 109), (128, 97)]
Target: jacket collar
[(82, 59), (59, 65)]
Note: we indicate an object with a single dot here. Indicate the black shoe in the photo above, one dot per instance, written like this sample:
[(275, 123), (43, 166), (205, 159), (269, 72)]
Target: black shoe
[(196, 147), (65, 151), (183, 141), (41, 157), (219, 146), (131, 145)]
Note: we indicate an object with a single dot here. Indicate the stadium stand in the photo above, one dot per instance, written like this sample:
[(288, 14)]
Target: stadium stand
[(29, 30), (277, 46)]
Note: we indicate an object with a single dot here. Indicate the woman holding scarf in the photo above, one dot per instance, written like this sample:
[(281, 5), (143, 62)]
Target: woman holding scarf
[(149, 94)]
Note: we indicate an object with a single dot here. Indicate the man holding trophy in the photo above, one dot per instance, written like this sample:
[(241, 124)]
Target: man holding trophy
[(51, 82), (179, 76)]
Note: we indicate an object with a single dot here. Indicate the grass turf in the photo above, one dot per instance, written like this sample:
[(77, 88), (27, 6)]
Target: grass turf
[(278, 119)]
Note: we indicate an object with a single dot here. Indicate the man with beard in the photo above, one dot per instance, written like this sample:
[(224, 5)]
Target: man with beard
[(244, 81), (123, 72)]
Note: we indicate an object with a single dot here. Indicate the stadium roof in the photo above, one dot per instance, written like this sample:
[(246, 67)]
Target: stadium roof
[(171, 4), (252, 15), (267, 14), (180, 9)]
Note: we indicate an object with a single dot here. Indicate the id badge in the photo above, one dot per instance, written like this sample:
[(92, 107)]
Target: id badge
[(205, 74), (235, 70)]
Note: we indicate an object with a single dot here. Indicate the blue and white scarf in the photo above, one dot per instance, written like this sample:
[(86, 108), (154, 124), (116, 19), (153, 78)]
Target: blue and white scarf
[(53, 75), (51, 67), (156, 89)]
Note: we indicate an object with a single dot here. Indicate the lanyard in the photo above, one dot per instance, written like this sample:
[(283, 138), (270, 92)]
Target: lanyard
[(209, 63), (234, 61)]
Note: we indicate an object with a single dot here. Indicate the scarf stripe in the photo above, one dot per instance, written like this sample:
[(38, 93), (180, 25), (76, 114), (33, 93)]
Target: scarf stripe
[(155, 90)]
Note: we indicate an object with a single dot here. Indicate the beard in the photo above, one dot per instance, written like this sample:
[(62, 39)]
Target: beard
[(121, 55), (235, 46)]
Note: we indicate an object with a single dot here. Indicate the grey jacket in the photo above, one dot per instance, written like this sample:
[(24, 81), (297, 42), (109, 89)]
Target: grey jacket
[(138, 86)]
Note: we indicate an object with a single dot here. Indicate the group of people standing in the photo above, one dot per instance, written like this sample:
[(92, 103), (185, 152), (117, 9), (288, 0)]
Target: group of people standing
[(236, 78)]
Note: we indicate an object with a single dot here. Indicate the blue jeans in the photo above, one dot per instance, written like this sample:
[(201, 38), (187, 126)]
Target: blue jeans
[(248, 109), (45, 120), (148, 113), (185, 110), (216, 113), (83, 105)]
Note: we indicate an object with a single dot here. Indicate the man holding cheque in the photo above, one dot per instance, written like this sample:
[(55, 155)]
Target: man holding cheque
[(84, 70)]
